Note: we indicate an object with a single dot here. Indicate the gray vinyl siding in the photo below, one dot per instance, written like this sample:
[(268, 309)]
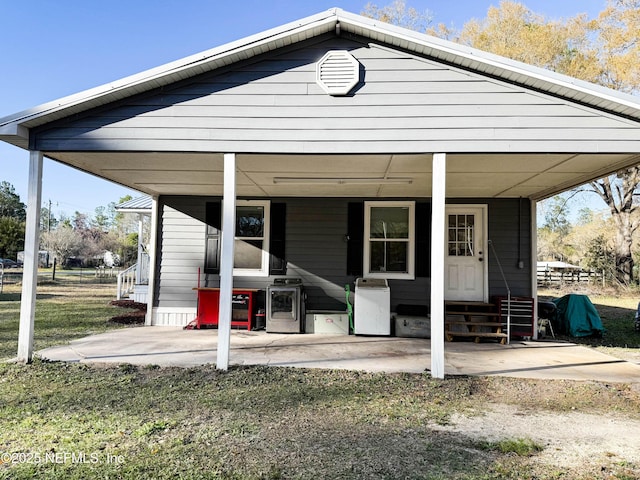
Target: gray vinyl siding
[(403, 104), (181, 251), (316, 251)]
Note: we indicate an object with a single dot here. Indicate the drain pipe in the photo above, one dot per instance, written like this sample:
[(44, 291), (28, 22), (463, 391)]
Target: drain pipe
[(506, 284)]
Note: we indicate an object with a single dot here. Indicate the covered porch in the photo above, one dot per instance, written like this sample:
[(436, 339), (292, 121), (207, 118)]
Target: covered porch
[(436, 177)]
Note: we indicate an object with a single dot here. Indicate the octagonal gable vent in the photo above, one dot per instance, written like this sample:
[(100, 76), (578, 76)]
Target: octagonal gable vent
[(337, 72)]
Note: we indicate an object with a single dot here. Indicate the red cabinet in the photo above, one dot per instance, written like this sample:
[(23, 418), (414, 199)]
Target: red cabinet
[(242, 308)]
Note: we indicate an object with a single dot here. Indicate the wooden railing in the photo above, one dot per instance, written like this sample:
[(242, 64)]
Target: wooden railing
[(126, 281)]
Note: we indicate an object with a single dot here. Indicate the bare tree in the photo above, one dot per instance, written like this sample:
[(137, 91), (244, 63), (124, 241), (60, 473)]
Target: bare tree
[(64, 242), (617, 191), (397, 13)]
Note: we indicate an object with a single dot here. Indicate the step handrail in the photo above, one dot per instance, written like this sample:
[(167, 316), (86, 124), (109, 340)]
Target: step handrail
[(506, 284)]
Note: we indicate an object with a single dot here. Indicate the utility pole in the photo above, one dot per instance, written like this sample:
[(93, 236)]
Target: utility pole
[(48, 229)]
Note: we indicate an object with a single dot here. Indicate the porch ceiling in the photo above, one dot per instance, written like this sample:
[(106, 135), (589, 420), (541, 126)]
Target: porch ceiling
[(408, 175)]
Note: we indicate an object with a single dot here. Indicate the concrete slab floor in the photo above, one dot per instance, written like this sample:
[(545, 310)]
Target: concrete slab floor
[(173, 346)]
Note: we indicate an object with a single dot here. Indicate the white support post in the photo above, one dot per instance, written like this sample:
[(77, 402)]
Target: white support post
[(140, 250), (31, 257), (534, 265), (226, 261), (438, 198), (153, 248)]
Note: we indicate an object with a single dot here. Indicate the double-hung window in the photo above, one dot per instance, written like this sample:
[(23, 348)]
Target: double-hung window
[(252, 238), (389, 240)]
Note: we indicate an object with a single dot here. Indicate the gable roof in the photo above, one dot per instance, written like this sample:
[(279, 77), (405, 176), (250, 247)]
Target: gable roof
[(14, 128)]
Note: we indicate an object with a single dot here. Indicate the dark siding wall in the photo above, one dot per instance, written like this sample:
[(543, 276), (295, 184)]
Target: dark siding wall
[(316, 251)]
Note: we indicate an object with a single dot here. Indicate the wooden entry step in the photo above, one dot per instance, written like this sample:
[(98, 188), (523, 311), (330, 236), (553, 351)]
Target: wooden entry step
[(473, 313), (465, 304), (477, 320), (472, 323), (477, 336)]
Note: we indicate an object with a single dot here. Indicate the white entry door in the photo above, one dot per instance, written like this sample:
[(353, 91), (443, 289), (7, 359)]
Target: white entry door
[(465, 269)]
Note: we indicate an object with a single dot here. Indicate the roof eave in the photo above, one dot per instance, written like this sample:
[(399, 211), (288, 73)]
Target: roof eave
[(134, 210), (15, 134)]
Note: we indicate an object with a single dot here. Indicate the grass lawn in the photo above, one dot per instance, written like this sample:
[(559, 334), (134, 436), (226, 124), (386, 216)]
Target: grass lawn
[(79, 421), (75, 421), (73, 306), (617, 312)]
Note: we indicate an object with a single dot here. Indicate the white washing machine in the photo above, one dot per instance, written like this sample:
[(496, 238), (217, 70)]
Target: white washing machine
[(372, 307)]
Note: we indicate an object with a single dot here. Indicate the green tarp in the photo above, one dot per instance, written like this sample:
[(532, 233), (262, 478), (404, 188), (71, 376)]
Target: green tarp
[(576, 316)]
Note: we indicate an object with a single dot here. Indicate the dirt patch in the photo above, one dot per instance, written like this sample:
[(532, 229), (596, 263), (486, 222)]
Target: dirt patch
[(134, 317), (574, 440)]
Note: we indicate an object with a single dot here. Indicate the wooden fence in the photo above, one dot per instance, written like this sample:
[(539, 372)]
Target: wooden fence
[(547, 277)]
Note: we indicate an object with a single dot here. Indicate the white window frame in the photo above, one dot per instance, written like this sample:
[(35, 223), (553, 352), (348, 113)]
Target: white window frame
[(411, 261), (264, 270)]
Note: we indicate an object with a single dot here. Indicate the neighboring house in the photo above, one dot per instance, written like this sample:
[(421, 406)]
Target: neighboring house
[(349, 148), (557, 266), (43, 258)]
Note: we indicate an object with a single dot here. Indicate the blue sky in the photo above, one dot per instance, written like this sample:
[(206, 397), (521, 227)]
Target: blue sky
[(51, 49)]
